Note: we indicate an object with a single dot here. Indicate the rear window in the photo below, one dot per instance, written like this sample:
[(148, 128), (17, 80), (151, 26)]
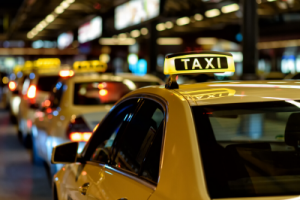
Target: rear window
[(109, 92), (250, 149), (47, 83)]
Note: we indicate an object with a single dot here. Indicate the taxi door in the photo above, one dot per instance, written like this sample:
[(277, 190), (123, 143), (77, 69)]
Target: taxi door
[(118, 167)]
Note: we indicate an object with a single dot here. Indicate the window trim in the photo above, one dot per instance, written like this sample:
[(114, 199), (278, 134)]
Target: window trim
[(125, 173), (163, 103)]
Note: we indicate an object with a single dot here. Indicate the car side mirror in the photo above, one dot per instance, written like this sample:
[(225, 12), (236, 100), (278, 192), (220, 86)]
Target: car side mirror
[(65, 153)]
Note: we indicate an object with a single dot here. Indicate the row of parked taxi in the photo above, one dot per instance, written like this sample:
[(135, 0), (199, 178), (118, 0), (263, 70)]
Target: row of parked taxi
[(53, 104)]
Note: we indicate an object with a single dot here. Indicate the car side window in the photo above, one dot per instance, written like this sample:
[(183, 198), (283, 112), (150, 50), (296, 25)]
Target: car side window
[(56, 96), (108, 131), (140, 145)]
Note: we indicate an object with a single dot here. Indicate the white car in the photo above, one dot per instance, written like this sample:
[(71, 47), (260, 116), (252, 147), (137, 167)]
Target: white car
[(75, 107), (36, 88)]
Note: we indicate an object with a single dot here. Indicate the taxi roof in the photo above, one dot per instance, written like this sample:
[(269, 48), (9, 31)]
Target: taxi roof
[(239, 92), (213, 93), (87, 77)]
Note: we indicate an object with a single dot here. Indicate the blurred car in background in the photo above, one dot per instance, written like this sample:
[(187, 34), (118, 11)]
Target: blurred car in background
[(75, 107), (36, 88)]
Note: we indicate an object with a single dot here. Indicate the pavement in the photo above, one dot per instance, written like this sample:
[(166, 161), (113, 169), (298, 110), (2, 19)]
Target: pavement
[(19, 178)]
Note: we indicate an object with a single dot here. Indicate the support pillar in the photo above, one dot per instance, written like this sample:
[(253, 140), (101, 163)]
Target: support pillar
[(152, 47), (250, 35)]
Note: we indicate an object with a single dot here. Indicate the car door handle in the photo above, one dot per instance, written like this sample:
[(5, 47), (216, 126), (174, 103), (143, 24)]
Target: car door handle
[(83, 189)]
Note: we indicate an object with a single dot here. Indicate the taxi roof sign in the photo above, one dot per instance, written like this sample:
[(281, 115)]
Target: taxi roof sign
[(198, 62), (90, 66)]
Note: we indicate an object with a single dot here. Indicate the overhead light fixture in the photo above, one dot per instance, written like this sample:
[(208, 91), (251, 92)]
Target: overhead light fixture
[(122, 36), (169, 25), (50, 18), (212, 13), (230, 8), (198, 17), (115, 41), (144, 31), (206, 41), (65, 4), (160, 27), (29, 35), (169, 41), (271, 0), (135, 33), (59, 10), (183, 21)]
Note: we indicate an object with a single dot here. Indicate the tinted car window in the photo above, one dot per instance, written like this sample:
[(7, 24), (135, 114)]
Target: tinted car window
[(136, 142), (110, 129), (108, 92), (46, 83), (250, 149), (56, 96)]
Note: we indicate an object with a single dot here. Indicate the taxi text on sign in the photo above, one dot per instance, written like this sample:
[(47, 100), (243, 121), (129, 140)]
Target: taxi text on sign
[(199, 63)]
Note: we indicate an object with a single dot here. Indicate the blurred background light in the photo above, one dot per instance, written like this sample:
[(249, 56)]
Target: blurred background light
[(135, 33), (169, 24), (144, 31), (230, 8), (183, 21), (212, 13), (160, 27), (104, 58), (198, 17), (169, 41)]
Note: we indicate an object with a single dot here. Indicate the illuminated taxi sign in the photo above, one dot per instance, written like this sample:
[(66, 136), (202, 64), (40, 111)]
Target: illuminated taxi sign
[(90, 66), (195, 62), (47, 63)]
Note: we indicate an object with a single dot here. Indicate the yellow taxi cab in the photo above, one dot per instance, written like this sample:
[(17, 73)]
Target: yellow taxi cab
[(11, 98), (80, 98), (35, 89), (222, 140)]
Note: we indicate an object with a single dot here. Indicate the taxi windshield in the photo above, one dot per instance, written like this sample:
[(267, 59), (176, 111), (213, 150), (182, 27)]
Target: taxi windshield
[(108, 92), (46, 83), (250, 149)]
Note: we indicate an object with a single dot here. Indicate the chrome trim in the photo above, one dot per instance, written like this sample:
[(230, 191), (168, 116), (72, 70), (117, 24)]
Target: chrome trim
[(131, 176), (137, 179)]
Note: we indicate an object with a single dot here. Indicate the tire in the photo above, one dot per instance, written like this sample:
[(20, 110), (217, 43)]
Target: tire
[(36, 159), (55, 195), (13, 119), (28, 141)]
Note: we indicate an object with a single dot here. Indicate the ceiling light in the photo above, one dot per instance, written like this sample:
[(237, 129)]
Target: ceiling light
[(160, 27), (183, 21), (144, 31), (169, 25), (39, 28), (206, 41), (169, 41), (212, 13), (271, 0), (29, 35), (49, 18), (230, 8), (59, 10), (135, 33), (114, 41), (198, 17), (122, 36), (65, 4), (70, 1)]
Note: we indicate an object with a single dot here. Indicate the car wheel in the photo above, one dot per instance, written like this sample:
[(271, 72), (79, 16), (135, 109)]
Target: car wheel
[(27, 141), (55, 195), (36, 159)]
